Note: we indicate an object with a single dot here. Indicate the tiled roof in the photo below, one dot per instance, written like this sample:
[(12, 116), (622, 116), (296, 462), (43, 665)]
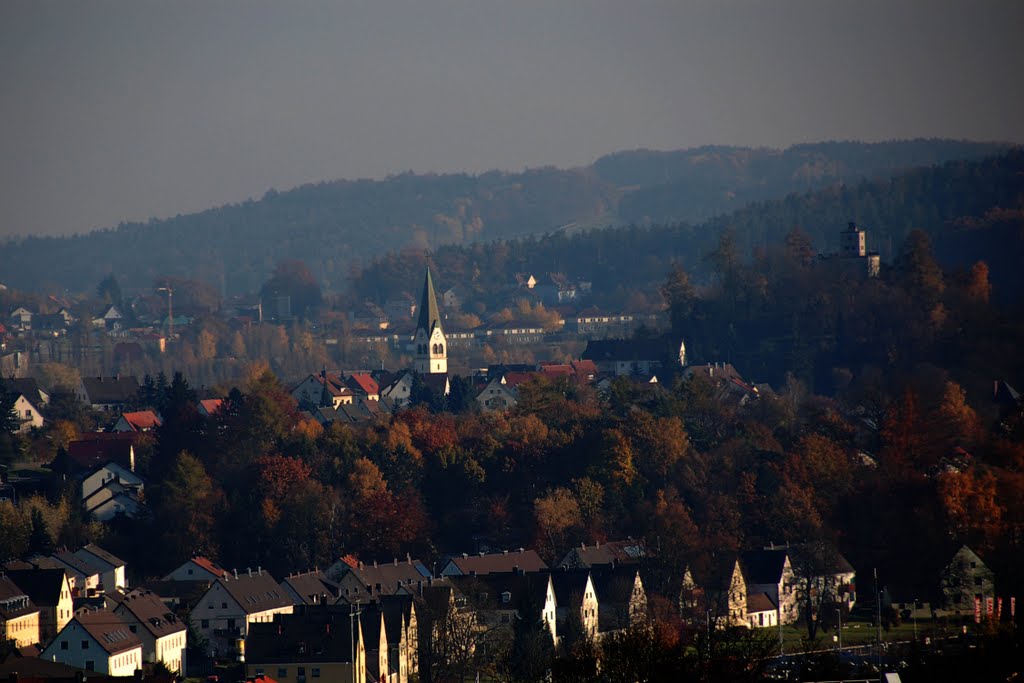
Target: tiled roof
[(142, 420), (507, 561), (97, 448), (763, 566), (81, 565), (313, 633), (14, 601), (363, 382), (209, 565), (211, 405), (570, 586), (108, 629), (256, 591), (151, 612), (104, 390), (491, 590), (610, 552), (90, 551), (760, 602), (43, 586), (386, 578), (311, 587)]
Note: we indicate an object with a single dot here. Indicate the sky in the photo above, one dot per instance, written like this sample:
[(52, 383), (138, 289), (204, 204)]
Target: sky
[(123, 111)]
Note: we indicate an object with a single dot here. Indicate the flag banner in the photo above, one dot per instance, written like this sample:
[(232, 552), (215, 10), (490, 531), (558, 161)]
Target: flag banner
[(977, 609), (990, 607), (999, 609), (1013, 607)]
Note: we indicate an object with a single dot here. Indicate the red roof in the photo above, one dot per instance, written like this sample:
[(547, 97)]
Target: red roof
[(514, 379), (366, 383), (211, 405), (97, 448), (209, 565), (142, 420), (556, 370)]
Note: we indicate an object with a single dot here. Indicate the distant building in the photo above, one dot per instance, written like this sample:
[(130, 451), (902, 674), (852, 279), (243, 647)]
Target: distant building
[(856, 259), (431, 356)]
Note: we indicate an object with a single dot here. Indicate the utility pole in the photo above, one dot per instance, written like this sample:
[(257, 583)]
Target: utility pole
[(878, 600), (353, 614)]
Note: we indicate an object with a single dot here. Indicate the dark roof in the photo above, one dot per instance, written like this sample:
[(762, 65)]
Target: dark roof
[(255, 591), (760, 602), (313, 633), (311, 586), (614, 585), (43, 586), (821, 558), (14, 601), (506, 561), (388, 576), (490, 590), (611, 552), (108, 629), (91, 550), (151, 612), (97, 449), (187, 593), (763, 566), (80, 564), (104, 390), (570, 586), (429, 314)]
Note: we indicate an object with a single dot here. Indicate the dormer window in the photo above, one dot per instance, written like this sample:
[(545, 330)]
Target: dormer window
[(506, 597)]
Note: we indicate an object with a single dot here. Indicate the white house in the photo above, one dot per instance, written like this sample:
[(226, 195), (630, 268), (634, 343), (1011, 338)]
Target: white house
[(233, 602), (108, 472), (197, 568), (161, 632), (97, 641), (28, 413), (111, 567)]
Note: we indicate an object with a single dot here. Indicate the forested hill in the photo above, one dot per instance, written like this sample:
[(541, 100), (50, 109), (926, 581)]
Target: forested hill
[(973, 210), (336, 226)]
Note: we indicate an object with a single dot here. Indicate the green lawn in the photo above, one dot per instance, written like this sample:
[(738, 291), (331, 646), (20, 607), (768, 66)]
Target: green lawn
[(857, 632)]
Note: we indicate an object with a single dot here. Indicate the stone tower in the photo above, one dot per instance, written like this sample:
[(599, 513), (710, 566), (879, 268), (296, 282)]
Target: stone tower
[(431, 357)]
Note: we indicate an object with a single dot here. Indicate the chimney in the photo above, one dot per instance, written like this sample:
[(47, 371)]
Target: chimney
[(259, 570), (236, 572), (396, 561), (375, 564), (515, 569), (504, 552), (408, 558), (250, 571)]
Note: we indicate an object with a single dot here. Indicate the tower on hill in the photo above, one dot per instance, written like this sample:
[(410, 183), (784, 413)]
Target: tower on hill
[(431, 356)]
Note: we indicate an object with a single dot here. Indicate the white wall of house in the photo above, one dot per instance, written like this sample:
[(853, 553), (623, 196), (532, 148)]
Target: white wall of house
[(75, 646)]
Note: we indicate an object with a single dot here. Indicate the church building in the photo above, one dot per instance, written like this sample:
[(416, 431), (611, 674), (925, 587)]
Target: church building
[(431, 357)]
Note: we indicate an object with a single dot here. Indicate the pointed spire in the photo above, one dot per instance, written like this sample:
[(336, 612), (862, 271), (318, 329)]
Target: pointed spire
[(429, 315)]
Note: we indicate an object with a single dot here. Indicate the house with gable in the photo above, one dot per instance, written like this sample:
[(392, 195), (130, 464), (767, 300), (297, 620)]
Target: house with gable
[(161, 632), (30, 414), (20, 319), (609, 553), (197, 568), (501, 599), (964, 579), (233, 602), (19, 616), (364, 581), (496, 395), (108, 393), (621, 597), (377, 648), (138, 421), (575, 597), (635, 357), (397, 387), (364, 385), (209, 406), (714, 590), (324, 642), (770, 571), (403, 635), (310, 588), (326, 390), (111, 489), (95, 449), (112, 568), (492, 563), (50, 591), (97, 640), (83, 576)]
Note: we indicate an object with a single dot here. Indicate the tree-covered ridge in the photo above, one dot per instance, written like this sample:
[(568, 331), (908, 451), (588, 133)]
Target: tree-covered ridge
[(334, 226), (970, 209)]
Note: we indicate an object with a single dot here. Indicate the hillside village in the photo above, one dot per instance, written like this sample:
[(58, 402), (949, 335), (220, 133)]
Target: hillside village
[(362, 590)]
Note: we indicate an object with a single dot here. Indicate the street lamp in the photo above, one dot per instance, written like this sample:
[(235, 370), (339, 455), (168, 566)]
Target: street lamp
[(915, 620), (839, 613)]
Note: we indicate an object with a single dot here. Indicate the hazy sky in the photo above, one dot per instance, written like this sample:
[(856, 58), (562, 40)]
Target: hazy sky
[(113, 111)]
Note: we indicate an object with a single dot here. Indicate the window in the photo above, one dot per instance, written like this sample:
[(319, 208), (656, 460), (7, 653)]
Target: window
[(231, 623), (63, 644), (205, 623), (223, 605), (133, 628), (282, 672), (90, 665), (316, 672), (85, 644)]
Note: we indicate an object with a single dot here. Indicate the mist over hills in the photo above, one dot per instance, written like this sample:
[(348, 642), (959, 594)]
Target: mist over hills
[(972, 210), (336, 227)]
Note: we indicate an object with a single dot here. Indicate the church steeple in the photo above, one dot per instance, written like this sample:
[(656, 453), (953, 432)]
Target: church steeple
[(431, 352), (429, 315)]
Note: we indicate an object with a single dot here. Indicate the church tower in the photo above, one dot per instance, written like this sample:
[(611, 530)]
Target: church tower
[(431, 356)]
